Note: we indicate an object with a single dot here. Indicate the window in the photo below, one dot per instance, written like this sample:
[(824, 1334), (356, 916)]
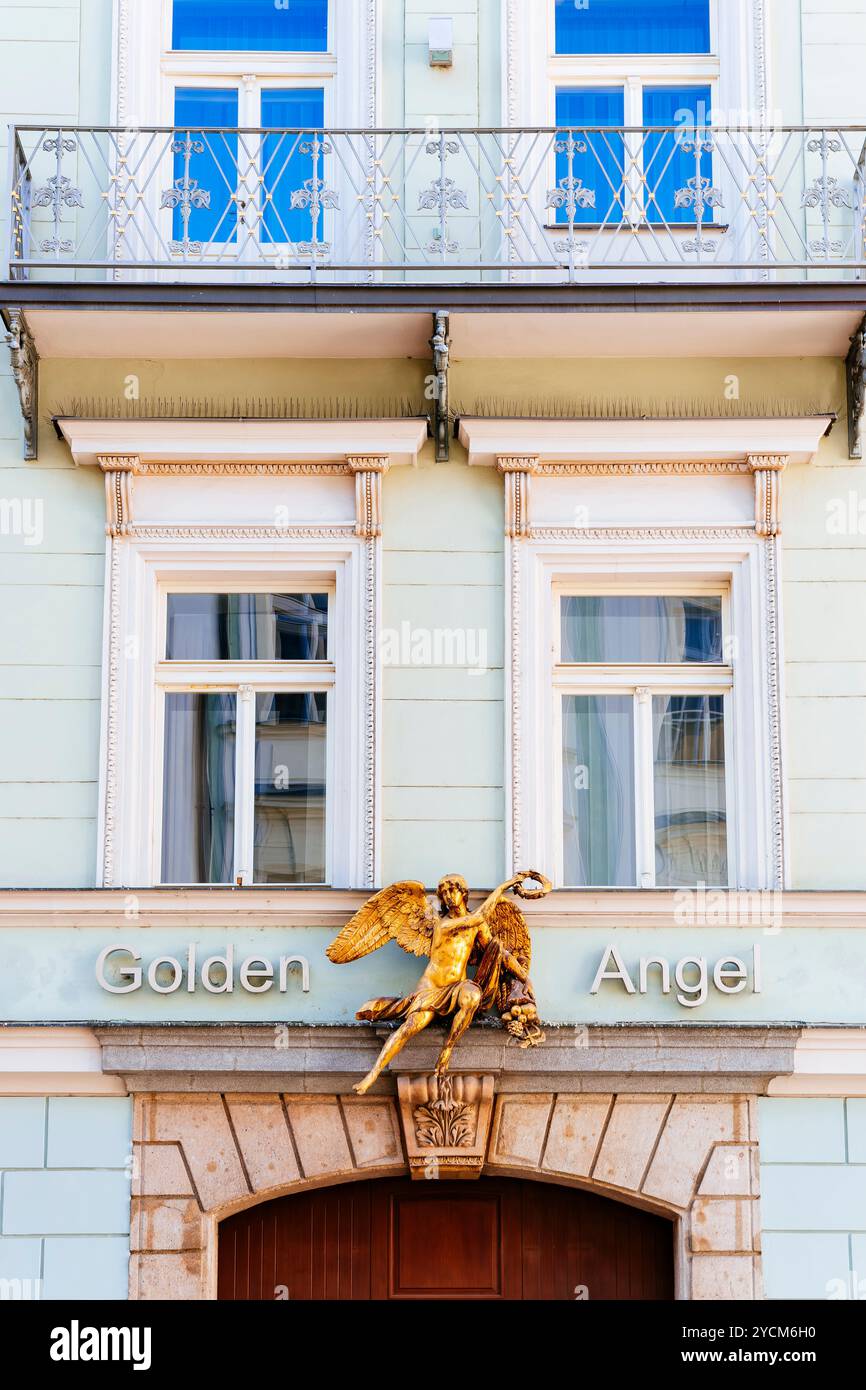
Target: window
[(231, 188), (642, 691), (621, 64), (632, 26), (247, 26), (254, 193), (246, 684)]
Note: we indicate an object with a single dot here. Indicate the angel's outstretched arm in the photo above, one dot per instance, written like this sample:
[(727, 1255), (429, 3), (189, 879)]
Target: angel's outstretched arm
[(498, 893), (514, 882)]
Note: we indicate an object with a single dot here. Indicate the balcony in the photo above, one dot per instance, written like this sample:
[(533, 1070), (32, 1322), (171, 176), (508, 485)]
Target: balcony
[(458, 207)]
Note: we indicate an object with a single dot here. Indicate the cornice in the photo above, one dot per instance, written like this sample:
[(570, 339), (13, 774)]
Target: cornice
[(622, 445), (613, 909), (638, 1057), (210, 445)]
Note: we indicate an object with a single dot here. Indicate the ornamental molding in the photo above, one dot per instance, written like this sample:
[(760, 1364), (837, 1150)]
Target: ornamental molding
[(239, 533), (25, 373), (242, 468), (640, 467), (515, 674), (641, 533), (108, 810), (774, 706)]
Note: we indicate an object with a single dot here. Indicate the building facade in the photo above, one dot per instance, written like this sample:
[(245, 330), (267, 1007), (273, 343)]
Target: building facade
[(431, 442)]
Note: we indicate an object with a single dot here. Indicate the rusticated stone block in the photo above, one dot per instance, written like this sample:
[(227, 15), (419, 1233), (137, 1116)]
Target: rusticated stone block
[(575, 1133), (179, 1277), (693, 1127), (722, 1224), (729, 1172), (200, 1125), (373, 1132), (721, 1277), (166, 1223), (519, 1129), (317, 1126), (262, 1133), (629, 1139), (159, 1171)]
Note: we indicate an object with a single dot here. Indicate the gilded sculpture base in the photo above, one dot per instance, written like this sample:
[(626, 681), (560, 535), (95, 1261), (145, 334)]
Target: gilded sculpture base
[(446, 1123)]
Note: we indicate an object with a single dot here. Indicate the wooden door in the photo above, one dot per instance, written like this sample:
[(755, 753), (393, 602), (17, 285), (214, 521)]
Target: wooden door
[(490, 1239)]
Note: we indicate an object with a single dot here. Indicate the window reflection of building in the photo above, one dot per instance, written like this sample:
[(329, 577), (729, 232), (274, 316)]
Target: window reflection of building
[(289, 845), (240, 790)]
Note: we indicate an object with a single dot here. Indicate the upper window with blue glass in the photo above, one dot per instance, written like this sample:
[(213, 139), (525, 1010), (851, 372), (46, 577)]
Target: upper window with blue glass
[(251, 26), (632, 26)]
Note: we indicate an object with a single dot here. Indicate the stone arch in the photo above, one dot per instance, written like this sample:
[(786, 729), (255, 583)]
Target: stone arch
[(199, 1158)]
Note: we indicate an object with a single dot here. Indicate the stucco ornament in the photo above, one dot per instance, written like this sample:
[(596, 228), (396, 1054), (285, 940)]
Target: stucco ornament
[(494, 938)]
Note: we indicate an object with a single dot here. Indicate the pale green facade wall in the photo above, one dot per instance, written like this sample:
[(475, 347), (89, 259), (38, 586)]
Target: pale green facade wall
[(65, 1172), (56, 68), (443, 730), (834, 57), (813, 1197), (466, 94)]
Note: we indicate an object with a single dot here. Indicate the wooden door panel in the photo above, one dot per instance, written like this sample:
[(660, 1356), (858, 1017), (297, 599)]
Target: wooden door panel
[(492, 1239)]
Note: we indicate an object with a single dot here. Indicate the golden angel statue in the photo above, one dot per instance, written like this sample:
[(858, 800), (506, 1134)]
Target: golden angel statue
[(494, 938)]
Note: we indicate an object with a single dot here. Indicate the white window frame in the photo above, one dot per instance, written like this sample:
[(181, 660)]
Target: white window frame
[(245, 679), (642, 681), (736, 567), (148, 69), (135, 627), (734, 69)]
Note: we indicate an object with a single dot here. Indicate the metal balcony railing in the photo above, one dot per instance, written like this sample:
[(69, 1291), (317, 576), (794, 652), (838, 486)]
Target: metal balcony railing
[(385, 206)]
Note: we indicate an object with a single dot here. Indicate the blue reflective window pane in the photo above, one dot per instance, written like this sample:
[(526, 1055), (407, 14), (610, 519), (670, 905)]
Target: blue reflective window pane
[(212, 164), (597, 169), (285, 167), (670, 158), (632, 26), (250, 26)]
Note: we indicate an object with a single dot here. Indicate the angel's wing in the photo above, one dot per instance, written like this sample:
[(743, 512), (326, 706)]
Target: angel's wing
[(401, 912), (508, 925), (515, 998)]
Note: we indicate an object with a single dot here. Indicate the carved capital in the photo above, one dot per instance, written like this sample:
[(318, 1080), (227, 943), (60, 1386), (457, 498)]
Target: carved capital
[(767, 470), (368, 470), (446, 1123), (119, 470), (25, 373), (772, 463), (517, 470), (517, 463), (368, 463)]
